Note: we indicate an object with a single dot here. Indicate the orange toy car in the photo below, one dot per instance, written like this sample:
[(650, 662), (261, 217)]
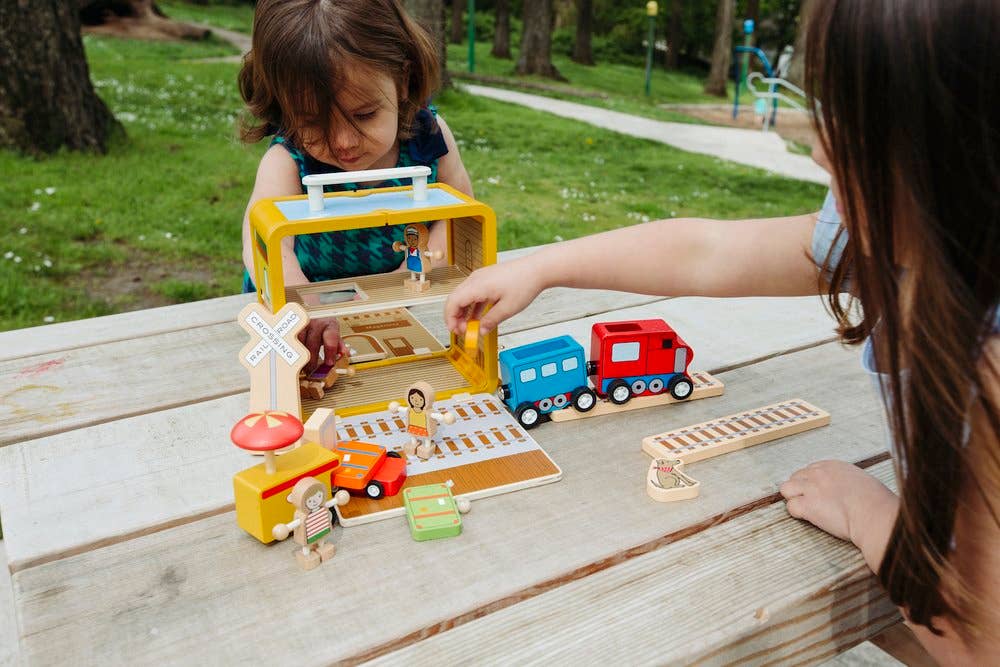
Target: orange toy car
[(369, 469)]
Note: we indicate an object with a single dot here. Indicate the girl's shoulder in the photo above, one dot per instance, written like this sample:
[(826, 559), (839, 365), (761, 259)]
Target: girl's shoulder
[(300, 158)]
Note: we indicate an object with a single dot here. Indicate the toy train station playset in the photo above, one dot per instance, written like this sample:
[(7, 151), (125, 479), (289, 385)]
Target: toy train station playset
[(418, 430)]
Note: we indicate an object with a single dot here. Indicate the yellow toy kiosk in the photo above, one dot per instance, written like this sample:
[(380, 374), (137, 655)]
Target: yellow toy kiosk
[(392, 350)]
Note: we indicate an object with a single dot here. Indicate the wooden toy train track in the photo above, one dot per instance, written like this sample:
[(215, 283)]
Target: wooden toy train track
[(671, 450)]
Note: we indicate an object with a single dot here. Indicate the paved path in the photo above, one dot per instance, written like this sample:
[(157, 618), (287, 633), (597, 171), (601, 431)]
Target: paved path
[(749, 147)]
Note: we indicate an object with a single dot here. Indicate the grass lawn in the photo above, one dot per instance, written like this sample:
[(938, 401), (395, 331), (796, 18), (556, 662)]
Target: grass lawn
[(157, 220)]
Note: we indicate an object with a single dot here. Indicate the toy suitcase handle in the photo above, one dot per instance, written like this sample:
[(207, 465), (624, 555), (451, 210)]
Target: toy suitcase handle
[(314, 182)]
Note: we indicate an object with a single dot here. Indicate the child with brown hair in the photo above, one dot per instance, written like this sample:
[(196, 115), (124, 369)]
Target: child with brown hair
[(341, 85), (910, 91)]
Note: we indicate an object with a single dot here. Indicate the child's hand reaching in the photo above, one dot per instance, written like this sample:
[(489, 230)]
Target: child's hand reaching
[(506, 289), (841, 499), (322, 332)]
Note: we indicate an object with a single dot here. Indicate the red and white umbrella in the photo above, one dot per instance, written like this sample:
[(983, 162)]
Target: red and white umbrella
[(267, 432)]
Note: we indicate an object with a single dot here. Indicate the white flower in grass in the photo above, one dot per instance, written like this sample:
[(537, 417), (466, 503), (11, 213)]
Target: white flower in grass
[(35, 206), (50, 190), (142, 237), (557, 238), (17, 259), (168, 235), (8, 254), (22, 230), (48, 319), (47, 263), (493, 180)]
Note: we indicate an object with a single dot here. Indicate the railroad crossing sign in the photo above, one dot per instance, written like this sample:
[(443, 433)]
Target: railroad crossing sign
[(274, 356)]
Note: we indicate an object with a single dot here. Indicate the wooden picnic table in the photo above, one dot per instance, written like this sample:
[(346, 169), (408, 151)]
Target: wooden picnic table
[(116, 505)]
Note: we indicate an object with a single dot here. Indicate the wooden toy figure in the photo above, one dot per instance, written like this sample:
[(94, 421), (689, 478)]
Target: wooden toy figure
[(417, 254), (312, 522), (315, 383), (421, 420)]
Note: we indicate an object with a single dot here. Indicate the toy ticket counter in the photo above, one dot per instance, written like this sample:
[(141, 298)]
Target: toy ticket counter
[(391, 349)]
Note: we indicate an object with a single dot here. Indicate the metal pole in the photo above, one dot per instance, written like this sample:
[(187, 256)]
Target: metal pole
[(651, 10), (747, 42), (472, 34)]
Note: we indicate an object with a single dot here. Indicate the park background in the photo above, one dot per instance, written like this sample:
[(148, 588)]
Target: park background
[(125, 183)]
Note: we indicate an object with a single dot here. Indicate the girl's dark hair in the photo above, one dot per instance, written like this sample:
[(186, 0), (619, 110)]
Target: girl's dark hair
[(906, 97), (305, 53)]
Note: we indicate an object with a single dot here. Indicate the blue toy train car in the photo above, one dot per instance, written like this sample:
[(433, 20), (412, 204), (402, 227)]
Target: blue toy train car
[(537, 378)]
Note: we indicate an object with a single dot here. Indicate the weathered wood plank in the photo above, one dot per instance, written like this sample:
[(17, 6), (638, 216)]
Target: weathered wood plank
[(196, 436), (9, 650), (75, 388), (54, 338), (205, 588), (767, 589), (722, 332)]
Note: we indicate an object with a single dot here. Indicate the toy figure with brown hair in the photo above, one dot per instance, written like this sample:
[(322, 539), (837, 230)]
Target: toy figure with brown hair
[(421, 419)]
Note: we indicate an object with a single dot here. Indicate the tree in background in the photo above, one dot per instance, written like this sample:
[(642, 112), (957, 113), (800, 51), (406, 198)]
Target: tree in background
[(582, 53), (501, 31), (674, 34), (536, 40), (456, 21), (47, 100), (135, 19), (722, 51), (753, 13), (430, 14), (796, 70)]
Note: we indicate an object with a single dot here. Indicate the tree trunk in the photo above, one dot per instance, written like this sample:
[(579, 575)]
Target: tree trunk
[(457, 27), (46, 98), (501, 32), (753, 13), (430, 14), (674, 35), (536, 41), (134, 19), (582, 52), (722, 51), (796, 69)]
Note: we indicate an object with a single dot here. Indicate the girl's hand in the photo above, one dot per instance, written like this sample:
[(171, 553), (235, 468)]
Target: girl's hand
[(837, 497), (322, 332), (506, 289)]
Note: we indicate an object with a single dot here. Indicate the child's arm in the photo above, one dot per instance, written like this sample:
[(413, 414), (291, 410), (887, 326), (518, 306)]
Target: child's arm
[(278, 176), (452, 171), (848, 503), (769, 257)]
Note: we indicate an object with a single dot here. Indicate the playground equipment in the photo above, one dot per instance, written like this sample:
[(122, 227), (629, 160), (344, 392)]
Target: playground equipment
[(775, 85)]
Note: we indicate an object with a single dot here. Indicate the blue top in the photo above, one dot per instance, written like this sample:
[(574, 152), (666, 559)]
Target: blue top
[(359, 252), (825, 233)]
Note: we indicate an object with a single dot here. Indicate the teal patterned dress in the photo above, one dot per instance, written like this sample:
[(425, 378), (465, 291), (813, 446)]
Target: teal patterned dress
[(359, 252)]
